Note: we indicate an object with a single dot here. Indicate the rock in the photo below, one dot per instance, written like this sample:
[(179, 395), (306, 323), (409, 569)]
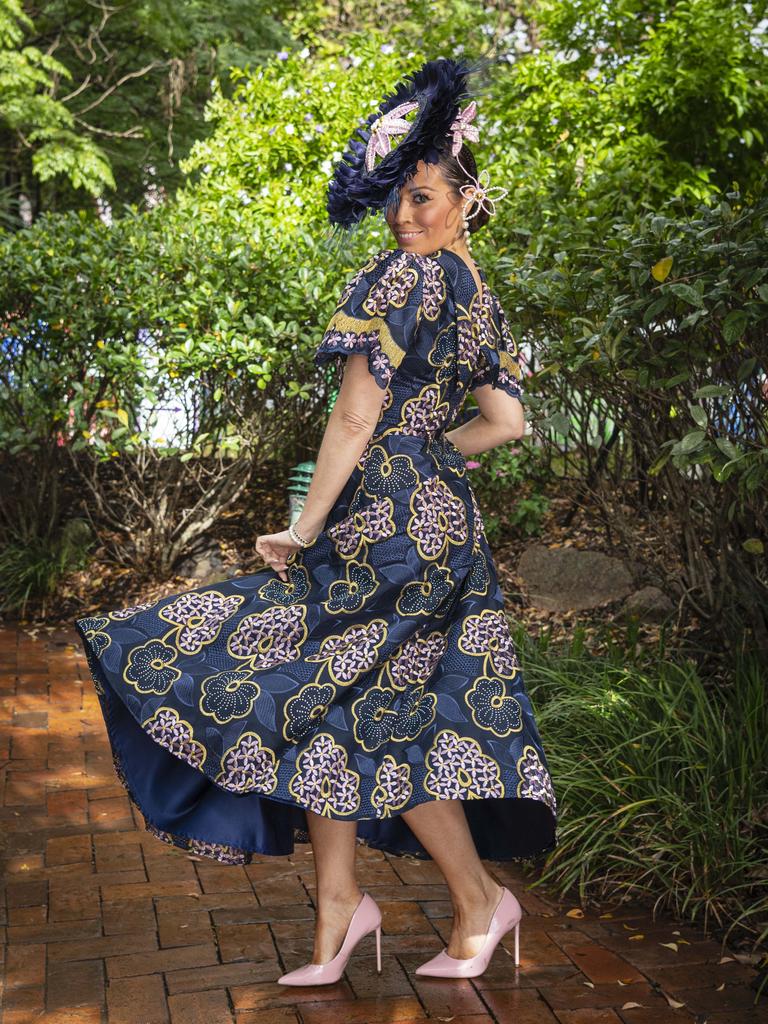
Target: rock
[(205, 564), (565, 579), (638, 570), (649, 604)]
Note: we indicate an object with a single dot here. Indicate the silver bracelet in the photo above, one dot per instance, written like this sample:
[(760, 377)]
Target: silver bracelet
[(296, 538)]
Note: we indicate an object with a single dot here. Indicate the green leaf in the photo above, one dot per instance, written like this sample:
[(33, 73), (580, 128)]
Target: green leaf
[(698, 415), (731, 451), (686, 292), (712, 391), (656, 307), (548, 369), (560, 422), (691, 442), (746, 369), (659, 462), (721, 473), (679, 378), (753, 546), (735, 324)]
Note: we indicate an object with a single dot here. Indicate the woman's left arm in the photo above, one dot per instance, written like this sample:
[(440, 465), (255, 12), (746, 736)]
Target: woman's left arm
[(352, 420)]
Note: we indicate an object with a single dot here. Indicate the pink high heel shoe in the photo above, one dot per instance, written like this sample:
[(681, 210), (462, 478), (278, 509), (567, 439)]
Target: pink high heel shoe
[(366, 917), (506, 915)]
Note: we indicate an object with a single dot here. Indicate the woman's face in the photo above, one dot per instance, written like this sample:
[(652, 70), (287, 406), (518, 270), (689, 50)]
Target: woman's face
[(429, 214)]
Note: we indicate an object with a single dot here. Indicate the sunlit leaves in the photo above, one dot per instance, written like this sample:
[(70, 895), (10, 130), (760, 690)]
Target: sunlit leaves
[(660, 270), (35, 118)]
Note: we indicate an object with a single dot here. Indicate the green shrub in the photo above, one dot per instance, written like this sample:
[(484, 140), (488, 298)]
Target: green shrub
[(31, 570), (661, 780)]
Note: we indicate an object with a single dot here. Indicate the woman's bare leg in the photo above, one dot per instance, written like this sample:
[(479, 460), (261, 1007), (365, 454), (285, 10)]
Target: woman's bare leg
[(338, 894), (442, 829)]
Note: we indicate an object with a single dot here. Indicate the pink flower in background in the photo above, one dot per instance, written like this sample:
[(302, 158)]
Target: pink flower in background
[(471, 464)]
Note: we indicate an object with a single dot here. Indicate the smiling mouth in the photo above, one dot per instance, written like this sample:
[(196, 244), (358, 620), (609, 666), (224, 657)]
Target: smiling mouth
[(406, 236)]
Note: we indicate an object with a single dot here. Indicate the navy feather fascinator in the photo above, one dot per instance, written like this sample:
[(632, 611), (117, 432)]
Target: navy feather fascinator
[(434, 94)]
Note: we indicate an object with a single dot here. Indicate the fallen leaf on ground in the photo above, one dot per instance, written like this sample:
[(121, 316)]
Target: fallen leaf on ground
[(672, 1002)]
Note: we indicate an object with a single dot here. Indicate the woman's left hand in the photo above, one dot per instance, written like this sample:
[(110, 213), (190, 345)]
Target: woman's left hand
[(276, 549)]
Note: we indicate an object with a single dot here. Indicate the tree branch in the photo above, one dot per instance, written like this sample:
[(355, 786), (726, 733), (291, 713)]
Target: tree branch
[(131, 74), (136, 132)]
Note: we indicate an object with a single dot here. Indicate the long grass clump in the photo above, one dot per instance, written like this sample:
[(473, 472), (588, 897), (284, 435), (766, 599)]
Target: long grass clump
[(661, 782)]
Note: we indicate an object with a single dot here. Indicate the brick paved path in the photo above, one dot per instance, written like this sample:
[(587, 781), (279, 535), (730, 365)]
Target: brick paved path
[(104, 923)]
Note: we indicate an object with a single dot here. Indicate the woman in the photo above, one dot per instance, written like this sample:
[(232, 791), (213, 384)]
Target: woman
[(365, 687)]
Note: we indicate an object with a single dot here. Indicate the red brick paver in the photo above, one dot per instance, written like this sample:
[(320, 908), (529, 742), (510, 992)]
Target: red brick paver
[(104, 924)]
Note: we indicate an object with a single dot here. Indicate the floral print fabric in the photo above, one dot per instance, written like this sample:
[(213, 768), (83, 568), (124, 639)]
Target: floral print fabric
[(382, 673)]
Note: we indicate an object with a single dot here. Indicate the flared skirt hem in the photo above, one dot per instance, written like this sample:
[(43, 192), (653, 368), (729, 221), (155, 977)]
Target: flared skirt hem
[(275, 824)]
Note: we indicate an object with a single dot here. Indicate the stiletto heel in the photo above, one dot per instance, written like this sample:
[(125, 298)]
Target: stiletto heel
[(506, 915), (366, 918)]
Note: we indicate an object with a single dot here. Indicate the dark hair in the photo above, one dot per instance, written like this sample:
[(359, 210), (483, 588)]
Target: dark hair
[(455, 176)]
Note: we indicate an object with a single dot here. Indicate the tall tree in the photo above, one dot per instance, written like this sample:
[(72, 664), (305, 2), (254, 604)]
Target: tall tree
[(38, 131), (120, 89)]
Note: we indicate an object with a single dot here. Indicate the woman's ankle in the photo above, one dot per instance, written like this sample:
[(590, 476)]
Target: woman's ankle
[(477, 893), (337, 896)]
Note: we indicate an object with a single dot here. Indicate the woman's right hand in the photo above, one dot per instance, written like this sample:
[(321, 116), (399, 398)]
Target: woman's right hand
[(276, 549)]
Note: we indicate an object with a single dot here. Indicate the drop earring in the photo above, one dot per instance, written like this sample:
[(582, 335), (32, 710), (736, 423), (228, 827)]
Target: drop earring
[(478, 190), (465, 223)]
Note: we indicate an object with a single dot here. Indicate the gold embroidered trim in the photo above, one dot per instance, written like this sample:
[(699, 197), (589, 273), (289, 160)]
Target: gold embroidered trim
[(343, 322), (508, 361)]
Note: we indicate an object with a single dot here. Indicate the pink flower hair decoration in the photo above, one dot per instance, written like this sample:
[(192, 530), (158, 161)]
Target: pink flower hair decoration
[(384, 128), (462, 128), (483, 193)]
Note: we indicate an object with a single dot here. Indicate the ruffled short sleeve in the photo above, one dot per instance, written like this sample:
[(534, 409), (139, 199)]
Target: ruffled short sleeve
[(378, 314), (498, 357)]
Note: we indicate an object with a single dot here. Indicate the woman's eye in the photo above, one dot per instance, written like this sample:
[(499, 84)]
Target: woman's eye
[(420, 195)]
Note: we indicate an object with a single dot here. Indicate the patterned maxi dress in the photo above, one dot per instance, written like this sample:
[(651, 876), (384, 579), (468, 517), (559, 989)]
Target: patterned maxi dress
[(382, 673)]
